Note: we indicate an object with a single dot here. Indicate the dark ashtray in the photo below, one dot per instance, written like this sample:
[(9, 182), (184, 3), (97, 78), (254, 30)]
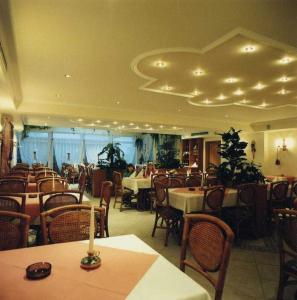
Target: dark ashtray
[(38, 270), (191, 189)]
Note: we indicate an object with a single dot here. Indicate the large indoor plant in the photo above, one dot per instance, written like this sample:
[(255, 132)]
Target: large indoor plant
[(166, 156), (235, 169)]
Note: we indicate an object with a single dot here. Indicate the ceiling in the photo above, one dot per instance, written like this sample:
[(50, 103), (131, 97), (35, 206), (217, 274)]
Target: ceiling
[(114, 53)]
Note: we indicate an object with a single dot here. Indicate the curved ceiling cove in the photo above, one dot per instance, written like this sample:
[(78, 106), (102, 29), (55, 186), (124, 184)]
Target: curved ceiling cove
[(241, 68)]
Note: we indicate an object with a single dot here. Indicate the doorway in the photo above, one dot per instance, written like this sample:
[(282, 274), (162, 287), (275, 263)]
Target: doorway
[(211, 153)]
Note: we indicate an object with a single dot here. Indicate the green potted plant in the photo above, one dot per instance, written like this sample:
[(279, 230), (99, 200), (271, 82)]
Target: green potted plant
[(166, 156), (235, 169)]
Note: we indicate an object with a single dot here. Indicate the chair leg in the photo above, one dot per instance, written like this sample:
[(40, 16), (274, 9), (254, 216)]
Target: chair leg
[(168, 228), (106, 230), (281, 286), (155, 225), (121, 205), (115, 200)]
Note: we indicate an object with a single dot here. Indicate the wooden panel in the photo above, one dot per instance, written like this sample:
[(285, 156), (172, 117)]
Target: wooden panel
[(6, 145), (211, 153)]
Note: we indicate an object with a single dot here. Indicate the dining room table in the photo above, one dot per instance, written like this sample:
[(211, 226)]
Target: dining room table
[(130, 269)]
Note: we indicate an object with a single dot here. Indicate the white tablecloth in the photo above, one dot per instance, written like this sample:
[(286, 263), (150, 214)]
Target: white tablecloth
[(192, 201), (135, 184), (163, 280)]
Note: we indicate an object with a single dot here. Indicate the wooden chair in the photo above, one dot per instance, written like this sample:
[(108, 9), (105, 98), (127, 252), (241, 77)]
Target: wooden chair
[(119, 190), (211, 180), (49, 185), (165, 213), (209, 240), (162, 178), (106, 191), (70, 223), (82, 181), (193, 180), (177, 180), (43, 174), (278, 197), (19, 173), (294, 204), (246, 207), (37, 165), (161, 171), (13, 185), (287, 231), (9, 202), (213, 201), (14, 228), (50, 200)]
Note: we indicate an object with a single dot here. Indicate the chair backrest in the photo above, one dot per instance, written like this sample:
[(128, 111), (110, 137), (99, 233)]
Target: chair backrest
[(193, 180), (287, 228), (20, 173), (293, 191), (176, 181), (82, 181), (106, 191), (21, 167), (181, 170), (246, 194), (52, 200), (13, 185), (70, 223), (294, 205), (14, 229), (9, 202), (213, 199), (45, 174), (37, 165), (161, 194), (49, 185), (162, 178), (41, 169), (117, 180), (209, 240), (279, 191), (161, 171), (211, 180)]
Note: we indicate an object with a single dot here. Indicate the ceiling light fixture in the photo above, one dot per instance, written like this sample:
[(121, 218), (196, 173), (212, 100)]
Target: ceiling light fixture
[(259, 86), (137, 127), (283, 92), (285, 60), (196, 93), (174, 127), (264, 104), (131, 124), (161, 126), (221, 97), (167, 88), (68, 76), (206, 101), (146, 125), (248, 49), (160, 64), (115, 122), (231, 80), (79, 120), (284, 79), (97, 121), (244, 101), (151, 128), (238, 92), (198, 72)]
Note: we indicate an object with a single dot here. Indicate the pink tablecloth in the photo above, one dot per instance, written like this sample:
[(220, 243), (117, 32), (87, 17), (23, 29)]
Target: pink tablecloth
[(114, 279)]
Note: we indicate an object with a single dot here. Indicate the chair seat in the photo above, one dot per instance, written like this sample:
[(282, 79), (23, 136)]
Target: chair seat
[(170, 213)]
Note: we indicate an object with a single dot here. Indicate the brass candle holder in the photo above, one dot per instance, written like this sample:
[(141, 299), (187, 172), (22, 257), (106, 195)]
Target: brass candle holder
[(92, 261)]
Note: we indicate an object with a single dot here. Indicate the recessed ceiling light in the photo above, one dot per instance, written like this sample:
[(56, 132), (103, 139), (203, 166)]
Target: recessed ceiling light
[(166, 88), (179, 109), (107, 125), (226, 116), (264, 104), (79, 120), (115, 122), (68, 76), (118, 102), (91, 124), (98, 121), (198, 72), (284, 79), (248, 49), (174, 127), (231, 80), (137, 127), (206, 101), (160, 64), (238, 92), (58, 95), (283, 92), (161, 126), (131, 124), (146, 125), (244, 101), (285, 60), (196, 93), (123, 126), (151, 128), (45, 124), (259, 86), (221, 97)]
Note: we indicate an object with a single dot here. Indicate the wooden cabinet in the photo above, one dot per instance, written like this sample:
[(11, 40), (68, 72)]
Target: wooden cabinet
[(192, 151)]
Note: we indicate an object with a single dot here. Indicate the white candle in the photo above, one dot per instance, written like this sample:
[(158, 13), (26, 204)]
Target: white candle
[(92, 231), (53, 182)]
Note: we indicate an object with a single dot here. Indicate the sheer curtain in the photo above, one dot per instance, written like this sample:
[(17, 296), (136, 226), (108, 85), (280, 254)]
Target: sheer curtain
[(65, 143), (94, 144), (127, 144), (35, 142)]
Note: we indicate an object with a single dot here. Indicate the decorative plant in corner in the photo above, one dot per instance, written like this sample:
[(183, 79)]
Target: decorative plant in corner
[(114, 158), (235, 169), (166, 156)]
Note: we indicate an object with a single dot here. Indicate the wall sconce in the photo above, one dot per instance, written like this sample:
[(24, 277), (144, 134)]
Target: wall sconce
[(284, 146), (280, 146)]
